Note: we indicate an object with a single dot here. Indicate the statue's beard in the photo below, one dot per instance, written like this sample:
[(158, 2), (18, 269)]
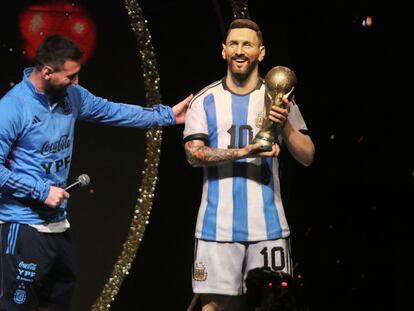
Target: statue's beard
[(242, 75)]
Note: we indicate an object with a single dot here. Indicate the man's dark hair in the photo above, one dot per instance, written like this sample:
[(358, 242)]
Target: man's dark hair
[(246, 23), (55, 50)]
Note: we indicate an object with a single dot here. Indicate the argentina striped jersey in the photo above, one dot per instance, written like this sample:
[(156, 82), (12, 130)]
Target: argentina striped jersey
[(240, 199)]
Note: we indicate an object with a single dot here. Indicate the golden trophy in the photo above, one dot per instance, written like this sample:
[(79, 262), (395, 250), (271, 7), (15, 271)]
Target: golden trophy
[(280, 83)]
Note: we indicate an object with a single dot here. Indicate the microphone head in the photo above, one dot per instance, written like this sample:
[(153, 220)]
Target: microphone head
[(83, 180)]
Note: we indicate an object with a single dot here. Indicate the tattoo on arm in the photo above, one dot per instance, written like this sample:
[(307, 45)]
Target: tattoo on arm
[(200, 155)]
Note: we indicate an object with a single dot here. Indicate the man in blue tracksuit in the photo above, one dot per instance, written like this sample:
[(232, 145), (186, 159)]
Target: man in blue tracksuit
[(37, 122)]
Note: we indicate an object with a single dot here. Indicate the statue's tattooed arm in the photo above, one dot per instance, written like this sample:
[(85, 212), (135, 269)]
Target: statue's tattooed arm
[(198, 154)]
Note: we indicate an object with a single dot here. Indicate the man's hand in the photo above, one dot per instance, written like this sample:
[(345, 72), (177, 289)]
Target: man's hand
[(56, 196), (180, 110)]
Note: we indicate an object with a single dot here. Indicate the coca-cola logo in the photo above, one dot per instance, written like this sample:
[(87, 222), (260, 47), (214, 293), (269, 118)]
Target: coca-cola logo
[(56, 146), (28, 266)]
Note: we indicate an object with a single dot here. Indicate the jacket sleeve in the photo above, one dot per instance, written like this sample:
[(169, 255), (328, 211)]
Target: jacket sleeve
[(97, 109), (11, 126)]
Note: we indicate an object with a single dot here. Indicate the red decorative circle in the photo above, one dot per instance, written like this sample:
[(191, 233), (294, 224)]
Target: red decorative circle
[(37, 22)]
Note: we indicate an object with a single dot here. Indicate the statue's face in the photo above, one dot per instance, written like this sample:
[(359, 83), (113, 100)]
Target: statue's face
[(242, 51)]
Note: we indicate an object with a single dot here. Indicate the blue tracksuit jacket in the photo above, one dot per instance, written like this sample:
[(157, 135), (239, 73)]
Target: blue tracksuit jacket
[(36, 141)]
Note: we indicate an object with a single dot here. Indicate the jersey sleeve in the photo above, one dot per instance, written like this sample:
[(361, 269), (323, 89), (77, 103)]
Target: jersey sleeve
[(11, 126), (196, 122), (296, 119), (97, 109)]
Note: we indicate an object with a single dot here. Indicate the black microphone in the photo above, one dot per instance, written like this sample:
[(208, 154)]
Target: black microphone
[(82, 181)]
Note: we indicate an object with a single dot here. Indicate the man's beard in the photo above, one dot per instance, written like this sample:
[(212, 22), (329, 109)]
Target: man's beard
[(241, 76), (55, 92)]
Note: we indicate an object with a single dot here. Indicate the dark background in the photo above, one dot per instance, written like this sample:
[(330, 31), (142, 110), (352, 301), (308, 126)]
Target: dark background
[(349, 212)]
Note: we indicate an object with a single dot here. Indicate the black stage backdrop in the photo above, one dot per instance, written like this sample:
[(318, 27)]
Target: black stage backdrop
[(348, 212)]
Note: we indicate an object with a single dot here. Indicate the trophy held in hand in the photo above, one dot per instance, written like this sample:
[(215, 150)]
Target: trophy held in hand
[(280, 83)]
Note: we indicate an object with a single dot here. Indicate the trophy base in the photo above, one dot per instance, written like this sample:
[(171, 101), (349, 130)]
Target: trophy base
[(265, 148), (267, 144)]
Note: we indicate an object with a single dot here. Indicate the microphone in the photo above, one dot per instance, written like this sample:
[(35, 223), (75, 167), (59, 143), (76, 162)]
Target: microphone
[(82, 181)]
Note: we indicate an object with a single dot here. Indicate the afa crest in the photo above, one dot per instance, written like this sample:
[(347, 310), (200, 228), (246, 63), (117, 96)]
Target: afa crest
[(19, 296), (259, 120), (200, 272)]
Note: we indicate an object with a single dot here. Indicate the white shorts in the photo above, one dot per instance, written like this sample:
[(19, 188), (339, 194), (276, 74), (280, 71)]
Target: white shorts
[(221, 267)]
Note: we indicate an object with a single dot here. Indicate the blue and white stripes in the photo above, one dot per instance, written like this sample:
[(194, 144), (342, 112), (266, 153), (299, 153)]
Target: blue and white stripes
[(241, 199), (21, 187), (12, 238)]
